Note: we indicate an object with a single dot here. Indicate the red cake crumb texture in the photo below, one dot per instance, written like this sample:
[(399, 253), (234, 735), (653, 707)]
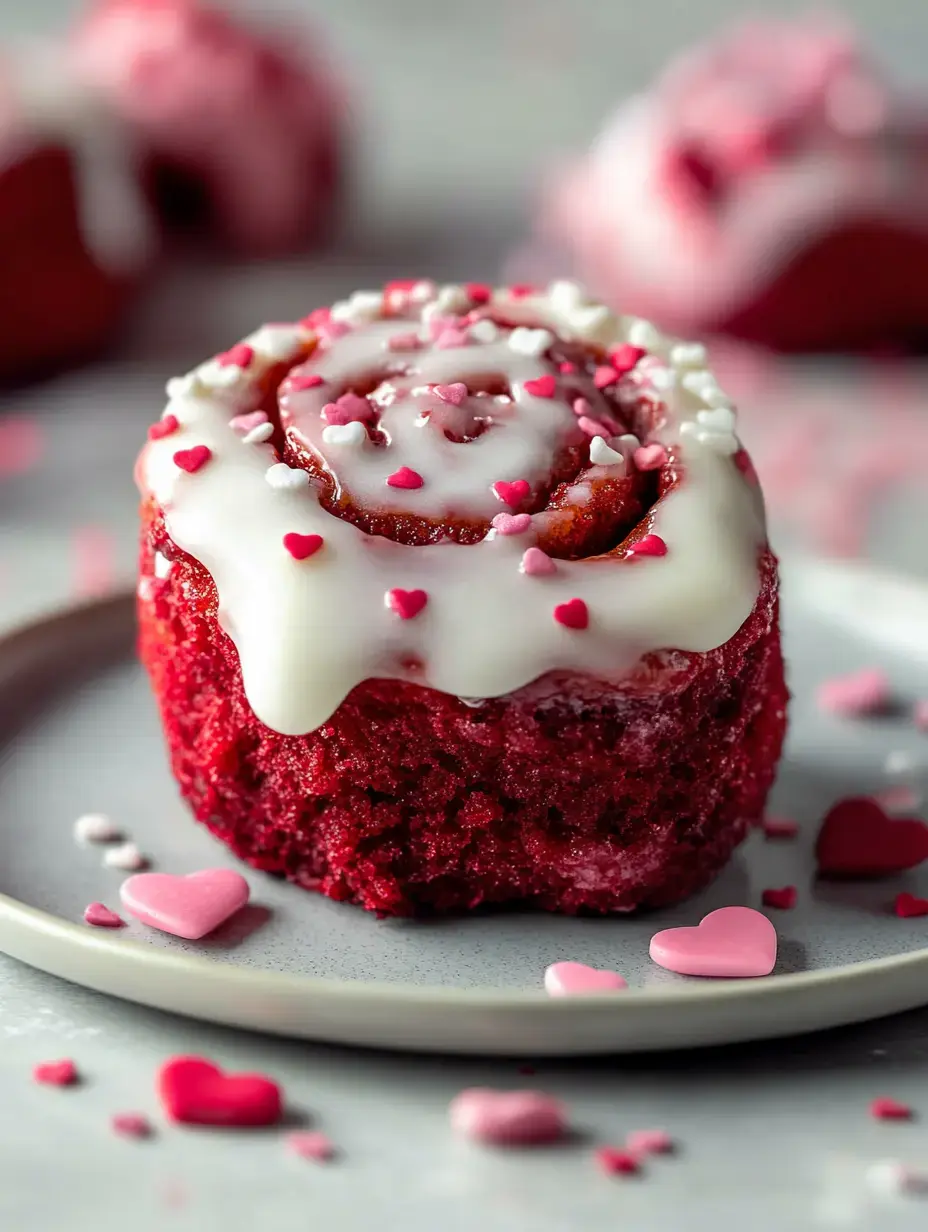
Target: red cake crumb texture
[(611, 771)]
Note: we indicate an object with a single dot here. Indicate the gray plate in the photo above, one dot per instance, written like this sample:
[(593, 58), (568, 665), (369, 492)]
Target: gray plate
[(78, 733)]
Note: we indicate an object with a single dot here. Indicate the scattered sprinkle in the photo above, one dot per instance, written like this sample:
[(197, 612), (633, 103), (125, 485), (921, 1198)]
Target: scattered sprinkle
[(576, 979), (352, 434), (883, 1108), (484, 331), (406, 603), (574, 614), (511, 494), (522, 290), (349, 408), (909, 906), (405, 478), (190, 460), (507, 1118), (536, 563), (648, 545), (541, 386), (55, 1073), (164, 427), (616, 1161), (448, 339), (404, 342), (301, 547), (289, 478), (512, 523), (857, 694), (239, 356), (305, 380), (533, 342), (779, 827), (650, 457), (592, 427), (858, 839), (729, 943), (784, 899), (650, 1142), (602, 454), (95, 828), (454, 393), (100, 916), (625, 357), (126, 856), (194, 1091), (478, 292), (243, 424), (257, 436), (310, 1144), (566, 367), (604, 376), (131, 1125)]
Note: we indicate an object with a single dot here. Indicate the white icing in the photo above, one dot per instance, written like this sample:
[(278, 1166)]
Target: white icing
[(309, 631), (51, 104)]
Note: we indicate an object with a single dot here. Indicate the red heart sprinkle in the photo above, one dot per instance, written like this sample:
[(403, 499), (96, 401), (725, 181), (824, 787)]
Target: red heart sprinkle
[(858, 839), (311, 380), (885, 1109), (784, 899), (625, 357), (406, 603), (164, 427), (909, 906), (100, 916), (776, 827), (194, 1091), (239, 356), (477, 292), (522, 290), (566, 367), (511, 494), (616, 1162), (55, 1073), (191, 460), (574, 614), (604, 376), (541, 387), (301, 547), (405, 478), (648, 545)]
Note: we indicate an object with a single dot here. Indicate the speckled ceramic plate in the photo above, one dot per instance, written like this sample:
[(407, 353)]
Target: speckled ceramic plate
[(78, 733)]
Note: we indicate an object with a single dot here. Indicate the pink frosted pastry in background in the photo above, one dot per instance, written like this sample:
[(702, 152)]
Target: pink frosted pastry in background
[(770, 185), (242, 131)]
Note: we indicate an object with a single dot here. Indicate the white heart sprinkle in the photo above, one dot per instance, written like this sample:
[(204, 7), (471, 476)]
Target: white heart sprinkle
[(286, 478), (452, 299), (362, 308), (126, 856), (720, 442), (591, 319), (642, 333), (423, 291), (660, 378), (278, 341), (353, 433), (95, 828), (163, 566), (484, 331), (530, 341), (565, 295), (720, 419), (223, 376), (602, 455), (184, 386), (263, 432), (688, 355)]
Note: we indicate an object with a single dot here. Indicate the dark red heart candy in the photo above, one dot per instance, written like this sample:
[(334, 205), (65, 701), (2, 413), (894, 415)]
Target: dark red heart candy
[(194, 1091), (858, 839)]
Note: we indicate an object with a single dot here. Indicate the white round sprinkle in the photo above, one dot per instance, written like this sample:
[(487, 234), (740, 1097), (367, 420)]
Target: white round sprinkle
[(530, 341), (602, 455), (286, 478), (352, 434), (689, 355), (126, 856), (260, 434), (95, 828), (484, 331)]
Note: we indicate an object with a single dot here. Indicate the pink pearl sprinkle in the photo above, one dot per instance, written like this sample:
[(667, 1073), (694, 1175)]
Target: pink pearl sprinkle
[(604, 376), (405, 478), (536, 563), (649, 545), (240, 356), (404, 342), (511, 523), (309, 380), (349, 408)]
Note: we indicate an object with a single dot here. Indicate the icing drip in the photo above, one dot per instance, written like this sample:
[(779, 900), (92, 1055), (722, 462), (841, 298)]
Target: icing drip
[(308, 630)]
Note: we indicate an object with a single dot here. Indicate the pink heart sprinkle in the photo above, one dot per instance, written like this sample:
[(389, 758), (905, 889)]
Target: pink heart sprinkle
[(404, 342), (574, 614), (455, 393), (243, 424), (240, 356), (650, 457), (616, 1161), (536, 563), (100, 916), (885, 1109), (856, 695), (649, 1142), (581, 407), (301, 547), (349, 408), (309, 380), (190, 460), (405, 478), (648, 545), (566, 367), (131, 1125), (604, 376), (507, 1118), (511, 494), (732, 942), (625, 357), (406, 603), (512, 523), (593, 427), (190, 906), (450, 338), (164, 427), (541, 387), (310, 1144), (576, 979), (55, 1073)]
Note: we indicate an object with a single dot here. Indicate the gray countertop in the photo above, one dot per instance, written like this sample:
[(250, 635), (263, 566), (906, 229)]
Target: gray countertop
[(773, 1137)]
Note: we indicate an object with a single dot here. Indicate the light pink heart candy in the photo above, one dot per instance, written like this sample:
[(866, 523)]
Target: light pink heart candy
[(243, 424), (733, 942), (454, 393), (512, 523), (190, 906), (508, 1118), (536, 563), (575, 979), (650, 457)]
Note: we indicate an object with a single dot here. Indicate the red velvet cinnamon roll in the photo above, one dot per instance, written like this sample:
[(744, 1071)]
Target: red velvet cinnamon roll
[(454, 596)]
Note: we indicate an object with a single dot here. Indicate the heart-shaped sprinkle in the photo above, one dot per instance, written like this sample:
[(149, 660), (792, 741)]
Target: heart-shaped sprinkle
[(310, 1144), (164, 427), (190, 460), (857, 694), (349, 408), (536, 563), (478, 292), (239, 356), (650, 457), (352, 435), (623, 358), (720, 419), (512, 523), (131, 1125), (55, 1073), (532, 342), (566, 367), (783, 898), (301, 547), (305, 380), (406, 603), (484, 331), (541, 387), (95, 828), (404, 342), (604, 376), (243, 424), (511, 494), (909, 906), (574, 614), (602, 454), (779, 827), (649, 1142), (288, 478), (257, 436), (99, 916), (405, 478), (454, 393), (648, 545), (885, 1109), (576, 979), (582, 408), (194, 1091), (449, 339), (190, 906), (858, 839), (126, 857), (616, 1161), (522, 290), (592, 427), (508, 1118), (733, 942)]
